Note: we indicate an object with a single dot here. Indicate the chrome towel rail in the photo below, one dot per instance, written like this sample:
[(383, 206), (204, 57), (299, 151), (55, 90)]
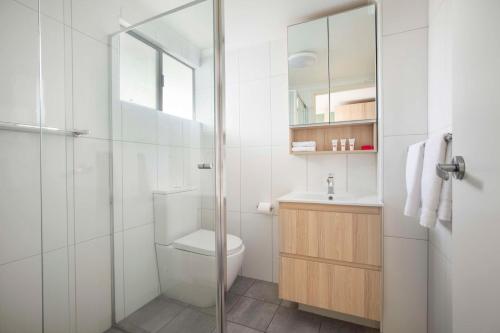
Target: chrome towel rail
[(36, 129), (457, 165)]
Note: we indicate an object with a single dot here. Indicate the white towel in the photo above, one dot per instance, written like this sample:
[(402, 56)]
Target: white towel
[(435, 150), (444, 210), (414, 164), (304, 144), (304, 148)]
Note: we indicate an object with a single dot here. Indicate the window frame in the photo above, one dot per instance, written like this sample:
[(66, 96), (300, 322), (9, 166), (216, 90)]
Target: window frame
[(160, 79)]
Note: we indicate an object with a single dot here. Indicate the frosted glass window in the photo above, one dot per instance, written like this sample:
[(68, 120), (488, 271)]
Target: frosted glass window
[(138, 72), (177, 88)]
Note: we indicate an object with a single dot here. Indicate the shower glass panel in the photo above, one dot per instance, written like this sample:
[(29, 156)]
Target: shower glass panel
[(165, 274), (20, 176)]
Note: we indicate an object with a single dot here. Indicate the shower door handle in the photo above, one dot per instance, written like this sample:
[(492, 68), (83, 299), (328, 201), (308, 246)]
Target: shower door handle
[(205, 166)]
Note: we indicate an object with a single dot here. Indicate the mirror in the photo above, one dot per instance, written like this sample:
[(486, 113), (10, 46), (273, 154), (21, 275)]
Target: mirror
[(342, 86), (308, 80)]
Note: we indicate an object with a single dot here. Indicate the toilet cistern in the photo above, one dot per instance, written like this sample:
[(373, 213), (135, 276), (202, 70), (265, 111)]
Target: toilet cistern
[(331, 183)]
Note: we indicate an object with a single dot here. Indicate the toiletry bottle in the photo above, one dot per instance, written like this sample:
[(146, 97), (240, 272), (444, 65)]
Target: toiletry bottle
[(335, 144), (351, 144), (342, 144)]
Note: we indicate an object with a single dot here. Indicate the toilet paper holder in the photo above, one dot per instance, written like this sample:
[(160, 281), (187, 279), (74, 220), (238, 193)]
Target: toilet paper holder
[(264, 207)]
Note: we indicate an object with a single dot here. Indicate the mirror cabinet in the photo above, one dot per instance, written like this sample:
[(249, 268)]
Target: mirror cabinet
[(332, 82)]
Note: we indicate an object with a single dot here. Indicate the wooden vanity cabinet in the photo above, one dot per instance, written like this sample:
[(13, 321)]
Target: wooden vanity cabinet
[(330, 257)]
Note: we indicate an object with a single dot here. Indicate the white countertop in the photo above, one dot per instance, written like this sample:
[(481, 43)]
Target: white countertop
[(346, 199)]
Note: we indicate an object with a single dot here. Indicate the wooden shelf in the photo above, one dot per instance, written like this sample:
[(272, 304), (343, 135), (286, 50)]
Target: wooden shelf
[(364, 131), (319, 152), (336, 124)]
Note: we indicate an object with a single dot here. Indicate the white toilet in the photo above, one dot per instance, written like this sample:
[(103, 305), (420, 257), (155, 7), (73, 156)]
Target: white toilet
[(185, 252)]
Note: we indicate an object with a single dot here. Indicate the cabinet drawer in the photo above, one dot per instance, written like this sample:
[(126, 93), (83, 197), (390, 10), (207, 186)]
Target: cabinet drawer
[(350, 290), (341, 236)]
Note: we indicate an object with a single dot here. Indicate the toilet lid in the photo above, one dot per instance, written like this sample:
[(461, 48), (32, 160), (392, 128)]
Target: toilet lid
[(203, 242)]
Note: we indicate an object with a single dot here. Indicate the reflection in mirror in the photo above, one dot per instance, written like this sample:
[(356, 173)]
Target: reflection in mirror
[(352, 39), (332, 68), (308, 72)]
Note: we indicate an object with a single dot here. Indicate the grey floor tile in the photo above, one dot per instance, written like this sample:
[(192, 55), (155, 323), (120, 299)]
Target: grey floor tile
[(336, 326), (113, 330), (264, 291), (252, 313), (287, 320), (153, 316), (231, 299), (289, 304), (131, 328), (241, 285), (236, 328), (190, 321)]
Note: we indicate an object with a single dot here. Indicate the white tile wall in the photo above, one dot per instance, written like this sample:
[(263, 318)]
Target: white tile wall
[(55, 291), (170, 167), (93, 285), (90, 85), (97, 23), (287, 173), (119, 261), (77, 286), (276, 250), (232, 115), (21, 291), (279, 110), (19, 66), (20, 179), (54, 192), (54, 78), (258, 164), (140, 271), (403, 15), (233, 224), (362, 173), (256, 233), (279, 57), (405, 285), (233, 179), (318, 168), (404, 112), (255, 115), (404, 58), (254, 63), (139, 123), (255, 177), (169, 130), (92, 188), (440, 292), (139, 181)]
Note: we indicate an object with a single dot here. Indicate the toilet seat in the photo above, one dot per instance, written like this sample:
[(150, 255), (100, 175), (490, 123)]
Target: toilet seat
[(202, 241)]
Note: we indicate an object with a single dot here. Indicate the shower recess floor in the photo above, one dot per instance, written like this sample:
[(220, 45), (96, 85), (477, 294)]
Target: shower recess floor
[(252, 306)]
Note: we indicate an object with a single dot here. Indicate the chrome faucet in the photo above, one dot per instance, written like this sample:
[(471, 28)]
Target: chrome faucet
[(331, 185)]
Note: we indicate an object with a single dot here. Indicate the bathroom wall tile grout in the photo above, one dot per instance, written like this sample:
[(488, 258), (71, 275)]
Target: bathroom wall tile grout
[(405, 31)]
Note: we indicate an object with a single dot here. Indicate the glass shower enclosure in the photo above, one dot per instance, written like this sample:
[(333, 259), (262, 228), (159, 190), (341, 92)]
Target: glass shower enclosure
[(166, 119)]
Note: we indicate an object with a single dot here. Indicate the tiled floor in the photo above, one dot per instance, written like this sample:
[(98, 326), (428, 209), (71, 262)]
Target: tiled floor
[(252, 306)]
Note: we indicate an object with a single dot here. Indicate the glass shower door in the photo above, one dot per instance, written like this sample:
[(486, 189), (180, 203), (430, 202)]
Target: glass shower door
[(163, 138)]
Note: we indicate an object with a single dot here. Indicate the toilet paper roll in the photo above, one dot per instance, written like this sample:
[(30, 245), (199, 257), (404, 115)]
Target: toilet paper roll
[(264, 207)]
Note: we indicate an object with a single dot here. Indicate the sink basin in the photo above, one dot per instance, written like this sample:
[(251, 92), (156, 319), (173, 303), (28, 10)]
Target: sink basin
[(335, 199)]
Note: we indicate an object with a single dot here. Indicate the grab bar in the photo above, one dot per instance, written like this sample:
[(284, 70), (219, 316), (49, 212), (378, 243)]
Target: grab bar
[(36, 129)]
